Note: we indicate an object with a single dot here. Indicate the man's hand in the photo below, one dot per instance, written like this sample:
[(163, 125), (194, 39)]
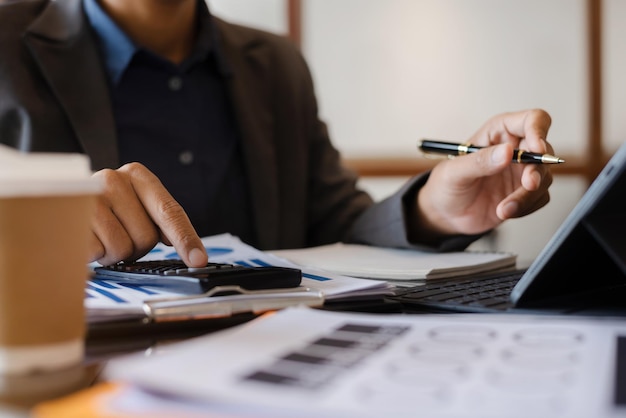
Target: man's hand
[(474, 193), (134, 213)]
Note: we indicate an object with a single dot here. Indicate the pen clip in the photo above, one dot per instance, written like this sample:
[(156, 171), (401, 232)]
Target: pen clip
[(238, 300)]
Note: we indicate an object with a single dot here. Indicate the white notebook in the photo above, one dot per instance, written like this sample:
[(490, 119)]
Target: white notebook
[(397, 264)]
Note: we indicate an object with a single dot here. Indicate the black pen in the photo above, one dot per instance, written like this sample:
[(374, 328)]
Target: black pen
[(453, 149)]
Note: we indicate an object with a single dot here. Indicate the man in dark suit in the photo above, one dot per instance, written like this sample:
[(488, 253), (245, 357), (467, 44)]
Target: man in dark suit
[(196, 126)]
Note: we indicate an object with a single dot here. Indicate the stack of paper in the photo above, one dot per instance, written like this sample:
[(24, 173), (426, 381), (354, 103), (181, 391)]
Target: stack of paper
[(108, 300), (395, 264), (339, 271)]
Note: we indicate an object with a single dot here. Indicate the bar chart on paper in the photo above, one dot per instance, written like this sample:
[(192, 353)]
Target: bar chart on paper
[(107, 299)]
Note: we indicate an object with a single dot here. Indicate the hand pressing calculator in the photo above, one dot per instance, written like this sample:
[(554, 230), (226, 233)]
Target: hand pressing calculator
[(176, 276)]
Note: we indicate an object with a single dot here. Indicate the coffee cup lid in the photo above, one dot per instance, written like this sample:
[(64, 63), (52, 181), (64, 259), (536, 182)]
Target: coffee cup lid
[(44, 173)]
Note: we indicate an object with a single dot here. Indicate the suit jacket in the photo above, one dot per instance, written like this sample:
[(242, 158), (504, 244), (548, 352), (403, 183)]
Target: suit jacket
[(54, 96)]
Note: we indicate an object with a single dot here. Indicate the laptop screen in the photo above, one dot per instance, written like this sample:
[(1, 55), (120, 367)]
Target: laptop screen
[(586, 257)]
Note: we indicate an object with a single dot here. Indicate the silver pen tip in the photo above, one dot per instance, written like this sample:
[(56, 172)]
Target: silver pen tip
[(551, 159)]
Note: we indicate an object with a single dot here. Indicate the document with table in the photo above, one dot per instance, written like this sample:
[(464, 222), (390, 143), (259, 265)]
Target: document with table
[(311, 363)]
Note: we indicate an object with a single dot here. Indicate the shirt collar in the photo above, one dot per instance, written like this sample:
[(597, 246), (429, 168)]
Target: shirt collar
[(118, 49)]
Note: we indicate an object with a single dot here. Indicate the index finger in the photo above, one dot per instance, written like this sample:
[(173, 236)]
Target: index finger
[(168, 215), (531, 125)]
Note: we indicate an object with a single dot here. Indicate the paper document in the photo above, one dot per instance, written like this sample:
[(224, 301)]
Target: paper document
[(397, 264), (301, 362), (106, 299)]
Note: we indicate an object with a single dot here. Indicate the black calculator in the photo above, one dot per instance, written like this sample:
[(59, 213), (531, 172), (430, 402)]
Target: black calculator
[(176, 276)]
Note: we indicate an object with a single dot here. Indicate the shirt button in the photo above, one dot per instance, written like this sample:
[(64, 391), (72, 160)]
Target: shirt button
[(185, 157), (175, 83)]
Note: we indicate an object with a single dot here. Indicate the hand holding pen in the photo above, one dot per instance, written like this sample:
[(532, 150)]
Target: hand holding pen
[(453, 149), (476, 193)]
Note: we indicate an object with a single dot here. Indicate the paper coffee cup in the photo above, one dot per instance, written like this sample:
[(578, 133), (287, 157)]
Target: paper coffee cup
[(46, 206)]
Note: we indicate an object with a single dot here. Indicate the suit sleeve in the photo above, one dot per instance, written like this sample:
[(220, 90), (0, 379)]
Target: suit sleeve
[(385, 223)]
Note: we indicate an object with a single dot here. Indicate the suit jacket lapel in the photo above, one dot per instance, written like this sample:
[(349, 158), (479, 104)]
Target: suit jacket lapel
[(250, 89), (61, 36)]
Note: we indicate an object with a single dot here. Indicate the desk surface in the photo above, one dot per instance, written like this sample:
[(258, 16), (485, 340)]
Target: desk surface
[(105, 341), (18, 394)]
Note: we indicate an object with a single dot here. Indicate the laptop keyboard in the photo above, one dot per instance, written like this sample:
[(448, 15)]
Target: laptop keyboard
[(485, 294)]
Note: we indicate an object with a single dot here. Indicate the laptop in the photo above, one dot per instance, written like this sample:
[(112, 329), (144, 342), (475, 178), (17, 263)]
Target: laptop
[(582, 268)]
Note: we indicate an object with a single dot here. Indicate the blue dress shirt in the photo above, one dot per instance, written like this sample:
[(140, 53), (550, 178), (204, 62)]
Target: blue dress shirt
[(177, 121)]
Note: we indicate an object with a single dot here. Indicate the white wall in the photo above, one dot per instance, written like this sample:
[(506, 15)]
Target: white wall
[(389, 72), (263, 14), (614, 91)]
